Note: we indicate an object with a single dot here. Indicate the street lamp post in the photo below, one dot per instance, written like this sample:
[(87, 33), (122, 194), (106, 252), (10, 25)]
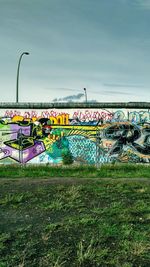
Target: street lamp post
[(85, 95), (17, 84)]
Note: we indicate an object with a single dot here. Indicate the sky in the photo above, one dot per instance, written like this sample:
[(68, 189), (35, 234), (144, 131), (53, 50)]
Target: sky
[(100, 45)]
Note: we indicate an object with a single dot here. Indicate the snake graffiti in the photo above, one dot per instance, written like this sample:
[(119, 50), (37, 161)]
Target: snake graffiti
[(90, 135)]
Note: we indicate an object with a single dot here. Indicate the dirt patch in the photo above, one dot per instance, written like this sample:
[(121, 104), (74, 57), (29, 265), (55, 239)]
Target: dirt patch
[(71, 180)]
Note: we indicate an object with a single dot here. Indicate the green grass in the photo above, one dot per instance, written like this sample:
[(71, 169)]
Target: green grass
[(47, 171), (49, 223)]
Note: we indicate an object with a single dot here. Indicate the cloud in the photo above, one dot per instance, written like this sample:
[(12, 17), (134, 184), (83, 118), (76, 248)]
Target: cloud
[(121, 85), (69, 98), (72, 98), (115, 93), (125, 89), (145, 4), (63, 89)]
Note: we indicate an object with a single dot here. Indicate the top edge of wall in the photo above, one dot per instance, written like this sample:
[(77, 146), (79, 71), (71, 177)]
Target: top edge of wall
[(25, 105)]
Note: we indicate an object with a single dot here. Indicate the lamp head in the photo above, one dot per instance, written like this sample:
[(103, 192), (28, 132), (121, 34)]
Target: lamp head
[(26, 53)]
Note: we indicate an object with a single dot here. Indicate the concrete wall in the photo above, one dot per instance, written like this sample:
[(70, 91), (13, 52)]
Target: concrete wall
[(92, 132)]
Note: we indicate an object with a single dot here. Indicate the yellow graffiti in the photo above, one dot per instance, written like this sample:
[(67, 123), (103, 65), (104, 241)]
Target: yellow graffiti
[(17, 118), (60, 119)]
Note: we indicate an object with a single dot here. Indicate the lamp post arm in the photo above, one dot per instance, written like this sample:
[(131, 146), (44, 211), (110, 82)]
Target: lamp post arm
[(18, 69), (18, 77)]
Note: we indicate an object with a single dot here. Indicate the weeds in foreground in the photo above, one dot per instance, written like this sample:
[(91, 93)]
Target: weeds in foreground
[(12, 199), (85, 253), (103, 223), (89, 171)]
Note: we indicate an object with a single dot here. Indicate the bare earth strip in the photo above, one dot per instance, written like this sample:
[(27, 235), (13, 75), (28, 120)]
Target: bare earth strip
[(68, 180)]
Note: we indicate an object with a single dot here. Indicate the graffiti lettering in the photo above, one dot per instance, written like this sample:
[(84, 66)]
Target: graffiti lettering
[(133, 116), (139, 117), (12, 113), (88, 115), (119, 115), (54, 117), (60, 119)]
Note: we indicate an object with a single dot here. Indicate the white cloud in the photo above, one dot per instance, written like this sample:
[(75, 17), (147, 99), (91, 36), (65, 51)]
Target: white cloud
[(145, 4)]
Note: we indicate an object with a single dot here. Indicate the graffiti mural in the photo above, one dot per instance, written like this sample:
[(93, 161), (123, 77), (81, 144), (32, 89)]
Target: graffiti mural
[(90, 135)]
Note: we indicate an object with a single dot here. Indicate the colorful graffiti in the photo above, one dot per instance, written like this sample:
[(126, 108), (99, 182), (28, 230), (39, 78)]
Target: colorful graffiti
[(91, 136)]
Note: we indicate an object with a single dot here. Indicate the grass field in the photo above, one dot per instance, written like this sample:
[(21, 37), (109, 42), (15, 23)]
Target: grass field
[(47, 171), (74, 222)]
